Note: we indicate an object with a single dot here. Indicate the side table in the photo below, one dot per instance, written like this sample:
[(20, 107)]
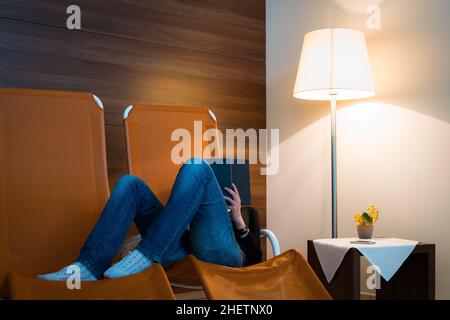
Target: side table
[(415, 280)]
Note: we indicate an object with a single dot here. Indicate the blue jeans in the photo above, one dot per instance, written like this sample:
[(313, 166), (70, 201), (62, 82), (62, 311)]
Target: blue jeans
[(194, 221)]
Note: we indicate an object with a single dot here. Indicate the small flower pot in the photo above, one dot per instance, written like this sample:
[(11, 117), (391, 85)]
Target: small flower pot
[(365, 232)]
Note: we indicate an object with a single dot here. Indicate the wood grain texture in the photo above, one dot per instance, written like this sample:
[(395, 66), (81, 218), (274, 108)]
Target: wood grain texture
[(170, 52), (235, 28)]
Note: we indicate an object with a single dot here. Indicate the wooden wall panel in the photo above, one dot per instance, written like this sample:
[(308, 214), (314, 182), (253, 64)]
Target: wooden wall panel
[(176, 52), (126, 71), (228, 27)]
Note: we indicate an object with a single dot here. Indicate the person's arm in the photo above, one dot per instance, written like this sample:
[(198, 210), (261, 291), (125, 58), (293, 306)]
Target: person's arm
[(248, 241)]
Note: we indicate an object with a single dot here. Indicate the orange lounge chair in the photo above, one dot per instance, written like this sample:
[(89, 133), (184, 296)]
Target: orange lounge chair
[(284, 277), (53, 186), (149, 129), (148, 133)]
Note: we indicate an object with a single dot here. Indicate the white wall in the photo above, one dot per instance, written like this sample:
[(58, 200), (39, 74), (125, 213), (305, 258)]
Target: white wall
[(393, 150)]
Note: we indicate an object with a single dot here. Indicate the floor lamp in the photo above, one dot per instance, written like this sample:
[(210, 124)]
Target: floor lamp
[(334, 66)]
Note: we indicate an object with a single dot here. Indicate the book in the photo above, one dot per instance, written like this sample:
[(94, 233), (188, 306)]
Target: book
[(237, 173)]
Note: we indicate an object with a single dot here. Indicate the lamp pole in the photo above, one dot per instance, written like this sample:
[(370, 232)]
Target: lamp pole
[(334, 230)]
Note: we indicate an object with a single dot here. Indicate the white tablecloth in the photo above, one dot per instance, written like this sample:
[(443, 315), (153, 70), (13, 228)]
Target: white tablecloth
[(388, 254)]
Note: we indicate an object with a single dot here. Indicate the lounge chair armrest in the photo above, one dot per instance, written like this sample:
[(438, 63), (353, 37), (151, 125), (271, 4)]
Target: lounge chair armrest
[(273, 240)]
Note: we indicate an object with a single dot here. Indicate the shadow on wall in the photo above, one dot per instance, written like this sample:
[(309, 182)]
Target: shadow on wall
[(409, 55), (388, 155), (385, 153), (392, 150)]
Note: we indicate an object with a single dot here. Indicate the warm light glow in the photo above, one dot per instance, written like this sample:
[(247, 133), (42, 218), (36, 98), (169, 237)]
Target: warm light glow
[(356, 6), (334, 62)]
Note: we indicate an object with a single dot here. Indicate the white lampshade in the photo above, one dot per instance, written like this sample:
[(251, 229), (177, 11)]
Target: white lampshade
[(334, 62)]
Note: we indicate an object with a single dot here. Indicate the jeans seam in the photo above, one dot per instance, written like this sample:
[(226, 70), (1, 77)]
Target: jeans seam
[(158, 258), (115, 227), (94, 257), (204, 181), (165, 248)]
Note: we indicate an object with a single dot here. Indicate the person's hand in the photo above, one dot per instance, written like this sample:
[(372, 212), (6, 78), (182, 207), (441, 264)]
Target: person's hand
[(235, 207)]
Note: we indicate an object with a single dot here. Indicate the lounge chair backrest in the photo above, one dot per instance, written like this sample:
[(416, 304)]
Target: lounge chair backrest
[(149, 130), (53, 178)]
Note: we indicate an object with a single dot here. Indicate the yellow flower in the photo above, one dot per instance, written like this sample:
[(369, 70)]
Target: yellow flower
[(358, 218), (374, 216), (373, 212)]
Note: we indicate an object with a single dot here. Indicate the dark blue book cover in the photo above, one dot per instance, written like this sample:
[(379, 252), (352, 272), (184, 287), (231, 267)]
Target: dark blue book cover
[(228, 173)]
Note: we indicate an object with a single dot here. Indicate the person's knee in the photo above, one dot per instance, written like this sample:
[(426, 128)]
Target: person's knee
[(197, 163), (197, 166), (128, 181)]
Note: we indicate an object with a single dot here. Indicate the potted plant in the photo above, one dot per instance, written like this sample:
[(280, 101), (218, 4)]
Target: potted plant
[(366, 222)]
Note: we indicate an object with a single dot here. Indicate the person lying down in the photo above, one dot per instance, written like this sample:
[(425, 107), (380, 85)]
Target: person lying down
[(198, 219)]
